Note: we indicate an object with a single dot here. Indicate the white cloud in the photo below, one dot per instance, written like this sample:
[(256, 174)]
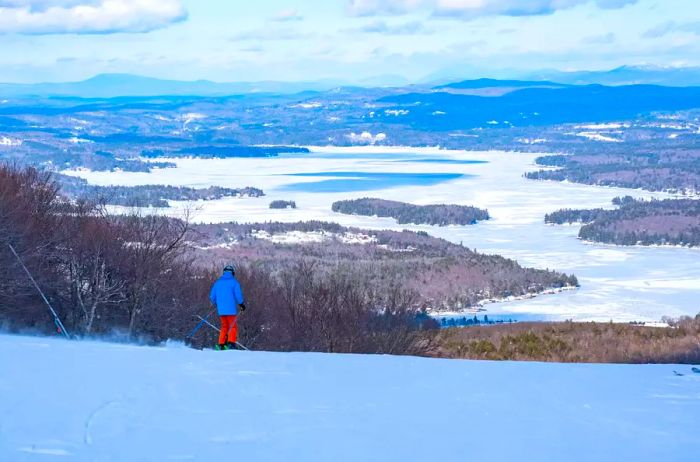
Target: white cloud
[(286, 15), (372, 7), (381, 27), (672, 27), (88, 16), (604, 39), (41, 5), (473, 8), (271, 34)]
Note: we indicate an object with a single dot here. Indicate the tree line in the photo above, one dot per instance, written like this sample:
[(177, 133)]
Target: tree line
[(666, 168), (439, 215), (147, 195), (654, 222)]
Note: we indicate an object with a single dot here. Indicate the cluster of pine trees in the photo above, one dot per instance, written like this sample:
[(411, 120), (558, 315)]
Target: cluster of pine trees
[(280, 204), (654, 222), (654, 169), (439, 215), (147, 195)]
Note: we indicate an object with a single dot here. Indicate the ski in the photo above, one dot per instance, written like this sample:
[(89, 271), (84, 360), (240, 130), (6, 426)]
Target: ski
[(238, 344)]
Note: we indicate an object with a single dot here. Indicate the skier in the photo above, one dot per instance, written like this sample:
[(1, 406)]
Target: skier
[(227, 296)]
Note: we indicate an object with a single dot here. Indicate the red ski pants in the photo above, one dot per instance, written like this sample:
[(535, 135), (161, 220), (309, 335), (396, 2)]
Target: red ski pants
[(229, 329)]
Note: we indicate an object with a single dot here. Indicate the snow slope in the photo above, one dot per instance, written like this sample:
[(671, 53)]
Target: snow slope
[(63, 400)]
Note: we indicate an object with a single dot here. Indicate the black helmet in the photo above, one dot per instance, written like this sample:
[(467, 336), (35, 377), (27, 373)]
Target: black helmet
[(230, 269)]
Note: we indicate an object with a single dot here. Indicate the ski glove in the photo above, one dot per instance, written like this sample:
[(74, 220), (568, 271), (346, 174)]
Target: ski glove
[(242, 305)]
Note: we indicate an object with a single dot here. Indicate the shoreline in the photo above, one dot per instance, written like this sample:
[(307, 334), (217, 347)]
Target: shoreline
[(479, 307), (639, 246)]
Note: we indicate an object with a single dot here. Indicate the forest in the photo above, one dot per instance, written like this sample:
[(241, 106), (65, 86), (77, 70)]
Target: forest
[(646, 166), (442, 275), (437, 215), (638, 222), (236, 151), (280, 204), (147, 195)]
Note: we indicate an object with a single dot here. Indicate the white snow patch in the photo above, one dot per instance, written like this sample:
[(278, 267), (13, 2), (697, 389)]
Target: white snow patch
[(396, 112), (300, 237), (356, 238), (308, 105), (6, 141), (598, 137), (604, 126), (532, 140), (674, 126), (191, 116), (224, 245), (45, 451), (76, 140), (410, 248)]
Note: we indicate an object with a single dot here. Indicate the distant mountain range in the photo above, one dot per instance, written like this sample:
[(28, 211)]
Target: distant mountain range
[(625, 75), (115, 85)]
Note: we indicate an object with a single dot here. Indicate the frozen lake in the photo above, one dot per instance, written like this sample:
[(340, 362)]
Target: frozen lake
[(617, 283)]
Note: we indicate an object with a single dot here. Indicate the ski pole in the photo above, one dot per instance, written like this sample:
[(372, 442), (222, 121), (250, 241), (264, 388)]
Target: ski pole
[(201, 323), (206, 321), (56, 319)]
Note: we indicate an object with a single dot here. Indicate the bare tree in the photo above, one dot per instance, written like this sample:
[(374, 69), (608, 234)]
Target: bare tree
[(92, 253)]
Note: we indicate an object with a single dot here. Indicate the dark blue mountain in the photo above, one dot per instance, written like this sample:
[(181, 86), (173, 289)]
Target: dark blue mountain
[(539, 106), (496, 83)]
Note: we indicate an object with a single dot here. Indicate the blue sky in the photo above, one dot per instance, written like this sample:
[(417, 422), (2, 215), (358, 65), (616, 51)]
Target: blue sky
[(352, 40)]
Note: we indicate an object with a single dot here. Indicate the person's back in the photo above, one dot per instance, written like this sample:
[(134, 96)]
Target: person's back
[(227, 295)]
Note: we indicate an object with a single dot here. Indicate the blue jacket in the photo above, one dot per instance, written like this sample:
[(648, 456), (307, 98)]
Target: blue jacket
[(226, 294)]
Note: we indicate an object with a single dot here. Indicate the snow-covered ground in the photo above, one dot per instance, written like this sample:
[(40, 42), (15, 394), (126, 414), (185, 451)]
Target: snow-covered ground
[(595, 136), (619, 283), (90, 401)]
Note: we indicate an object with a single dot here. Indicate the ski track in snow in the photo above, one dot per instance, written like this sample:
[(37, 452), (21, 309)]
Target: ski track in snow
[(91, 401)]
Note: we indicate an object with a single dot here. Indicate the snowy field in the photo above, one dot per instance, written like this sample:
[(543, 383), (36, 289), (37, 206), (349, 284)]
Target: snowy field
[(89, 401), (618, 283)]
